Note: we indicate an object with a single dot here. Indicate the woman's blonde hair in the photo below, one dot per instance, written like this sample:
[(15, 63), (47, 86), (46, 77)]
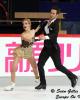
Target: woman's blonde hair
[(27, 19)]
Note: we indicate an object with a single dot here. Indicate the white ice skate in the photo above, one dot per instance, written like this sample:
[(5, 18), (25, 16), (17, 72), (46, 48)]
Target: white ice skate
[(10, 87), (37, 80)]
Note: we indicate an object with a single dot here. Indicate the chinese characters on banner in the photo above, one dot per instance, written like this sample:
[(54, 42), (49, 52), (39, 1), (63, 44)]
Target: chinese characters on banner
[(70, 56)]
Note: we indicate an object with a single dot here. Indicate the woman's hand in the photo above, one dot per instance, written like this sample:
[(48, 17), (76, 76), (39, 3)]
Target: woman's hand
[(42, 37)]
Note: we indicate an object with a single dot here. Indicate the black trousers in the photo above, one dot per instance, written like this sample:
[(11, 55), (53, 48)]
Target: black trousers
[(54, 53)]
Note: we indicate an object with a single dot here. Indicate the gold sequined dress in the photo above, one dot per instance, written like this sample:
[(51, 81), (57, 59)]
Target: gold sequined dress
[(25, 50)]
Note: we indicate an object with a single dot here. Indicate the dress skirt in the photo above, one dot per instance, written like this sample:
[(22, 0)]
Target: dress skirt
[(23, 52)]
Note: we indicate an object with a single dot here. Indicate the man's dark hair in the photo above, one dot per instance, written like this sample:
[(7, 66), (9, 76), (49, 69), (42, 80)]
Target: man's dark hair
[(56, 8)]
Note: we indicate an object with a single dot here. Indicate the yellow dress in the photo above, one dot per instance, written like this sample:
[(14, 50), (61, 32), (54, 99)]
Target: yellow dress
[(23, 52)]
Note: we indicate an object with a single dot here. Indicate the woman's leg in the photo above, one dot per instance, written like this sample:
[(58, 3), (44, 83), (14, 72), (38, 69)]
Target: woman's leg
[(14, 68), (16, 58), (34, 66)]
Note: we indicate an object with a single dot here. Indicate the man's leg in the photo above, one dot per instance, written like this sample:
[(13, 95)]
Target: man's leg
[(42, 59), (57, 62)]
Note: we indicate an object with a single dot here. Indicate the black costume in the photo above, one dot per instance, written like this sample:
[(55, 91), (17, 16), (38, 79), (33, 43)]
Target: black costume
[(52, 49)]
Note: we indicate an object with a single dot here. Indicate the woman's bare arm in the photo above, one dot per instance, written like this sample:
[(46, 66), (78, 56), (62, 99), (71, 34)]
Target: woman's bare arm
[(37, 29)]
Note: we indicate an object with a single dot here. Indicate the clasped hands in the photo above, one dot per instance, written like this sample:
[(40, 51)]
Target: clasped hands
[(42, 37)]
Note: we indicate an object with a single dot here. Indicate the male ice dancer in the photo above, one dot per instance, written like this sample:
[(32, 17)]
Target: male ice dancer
[(51, 49)]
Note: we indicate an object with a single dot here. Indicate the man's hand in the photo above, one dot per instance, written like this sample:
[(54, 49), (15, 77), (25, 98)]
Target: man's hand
[(42, 37)]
